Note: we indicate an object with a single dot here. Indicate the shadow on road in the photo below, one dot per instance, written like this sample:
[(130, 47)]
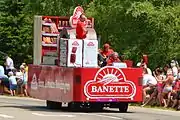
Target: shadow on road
[(43, 108)]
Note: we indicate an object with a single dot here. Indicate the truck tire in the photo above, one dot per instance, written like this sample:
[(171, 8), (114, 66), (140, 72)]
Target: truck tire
[(73, 107), (123, 107), (53, 105), (97, 107)]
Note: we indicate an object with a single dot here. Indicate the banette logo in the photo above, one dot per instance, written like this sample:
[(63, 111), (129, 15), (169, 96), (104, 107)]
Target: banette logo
[(76, 14), (90, 44), (75, 17), (110, 82), (75, 43), (34, 83)]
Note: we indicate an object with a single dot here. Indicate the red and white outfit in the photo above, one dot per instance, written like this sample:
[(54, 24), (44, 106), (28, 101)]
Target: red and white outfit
[(80, 33)]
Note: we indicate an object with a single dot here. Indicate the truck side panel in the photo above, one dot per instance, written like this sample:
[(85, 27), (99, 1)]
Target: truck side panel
[(50, 83)]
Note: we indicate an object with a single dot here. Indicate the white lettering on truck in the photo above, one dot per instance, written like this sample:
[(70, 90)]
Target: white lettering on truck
[(41, 84), (110, 89)]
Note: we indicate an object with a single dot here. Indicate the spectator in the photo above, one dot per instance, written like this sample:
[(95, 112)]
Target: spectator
[(3, 80), (148, 69), (149, 84), (24, 78), (143, 62), (167, 69), (159, 77), (176, 94), (167, 90), (178, 73), (13, 83), (174, 69), (9, 64), (19, 78), (25, 67)]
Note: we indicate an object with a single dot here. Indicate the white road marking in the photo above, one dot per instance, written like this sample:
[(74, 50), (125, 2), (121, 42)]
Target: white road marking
[(105, 116), (6, 116), (46, 115)]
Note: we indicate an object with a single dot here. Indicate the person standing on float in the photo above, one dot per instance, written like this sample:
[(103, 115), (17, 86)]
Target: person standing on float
[(81, 30)]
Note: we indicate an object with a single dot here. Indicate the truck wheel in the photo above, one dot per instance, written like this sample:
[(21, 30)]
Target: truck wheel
[(97, 107), (74, 107), (123, 107), (53, 105)]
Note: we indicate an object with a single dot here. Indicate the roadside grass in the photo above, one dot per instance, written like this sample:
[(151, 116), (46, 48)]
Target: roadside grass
[(153, 106)]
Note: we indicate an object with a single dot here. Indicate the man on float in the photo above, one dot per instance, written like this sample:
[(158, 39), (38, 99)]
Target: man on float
[(81, 30), (106, 52), (113, 59)]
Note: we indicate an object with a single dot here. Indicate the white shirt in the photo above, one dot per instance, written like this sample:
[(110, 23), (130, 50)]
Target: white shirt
[(178, 76), (1, 70), (19, 75), (12, 80), (175, 72), (9, 63), (149, 80), (149, 71)]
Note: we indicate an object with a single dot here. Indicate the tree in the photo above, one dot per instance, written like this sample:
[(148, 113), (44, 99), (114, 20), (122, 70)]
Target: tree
[(15, 31), (134, 27)]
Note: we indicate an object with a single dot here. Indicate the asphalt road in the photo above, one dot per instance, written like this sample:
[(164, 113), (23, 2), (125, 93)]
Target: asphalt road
[(14, 108)]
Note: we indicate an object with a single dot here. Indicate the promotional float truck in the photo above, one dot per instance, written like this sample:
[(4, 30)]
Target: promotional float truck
[(65, 70)]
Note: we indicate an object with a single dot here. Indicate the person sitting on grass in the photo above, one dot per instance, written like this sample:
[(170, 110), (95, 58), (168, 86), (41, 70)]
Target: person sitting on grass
[(12, 83)]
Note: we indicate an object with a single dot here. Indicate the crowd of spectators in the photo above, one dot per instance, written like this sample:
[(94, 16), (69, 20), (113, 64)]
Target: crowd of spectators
[(162, 86), (12, 80)]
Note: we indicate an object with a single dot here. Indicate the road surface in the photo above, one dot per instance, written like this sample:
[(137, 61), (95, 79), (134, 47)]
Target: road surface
[(14, 108)]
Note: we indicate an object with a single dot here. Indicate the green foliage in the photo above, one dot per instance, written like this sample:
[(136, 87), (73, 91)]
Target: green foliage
[(132, 27), (15, 31), (136, 27)]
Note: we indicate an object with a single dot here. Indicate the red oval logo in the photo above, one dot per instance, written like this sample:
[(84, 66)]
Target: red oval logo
[(109, 82)]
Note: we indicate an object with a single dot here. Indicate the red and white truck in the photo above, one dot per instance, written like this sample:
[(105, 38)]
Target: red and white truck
[(65, 71)]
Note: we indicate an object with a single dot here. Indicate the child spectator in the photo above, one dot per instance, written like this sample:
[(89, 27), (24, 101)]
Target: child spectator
[(12, 83), (25, 66), (24, 79)]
